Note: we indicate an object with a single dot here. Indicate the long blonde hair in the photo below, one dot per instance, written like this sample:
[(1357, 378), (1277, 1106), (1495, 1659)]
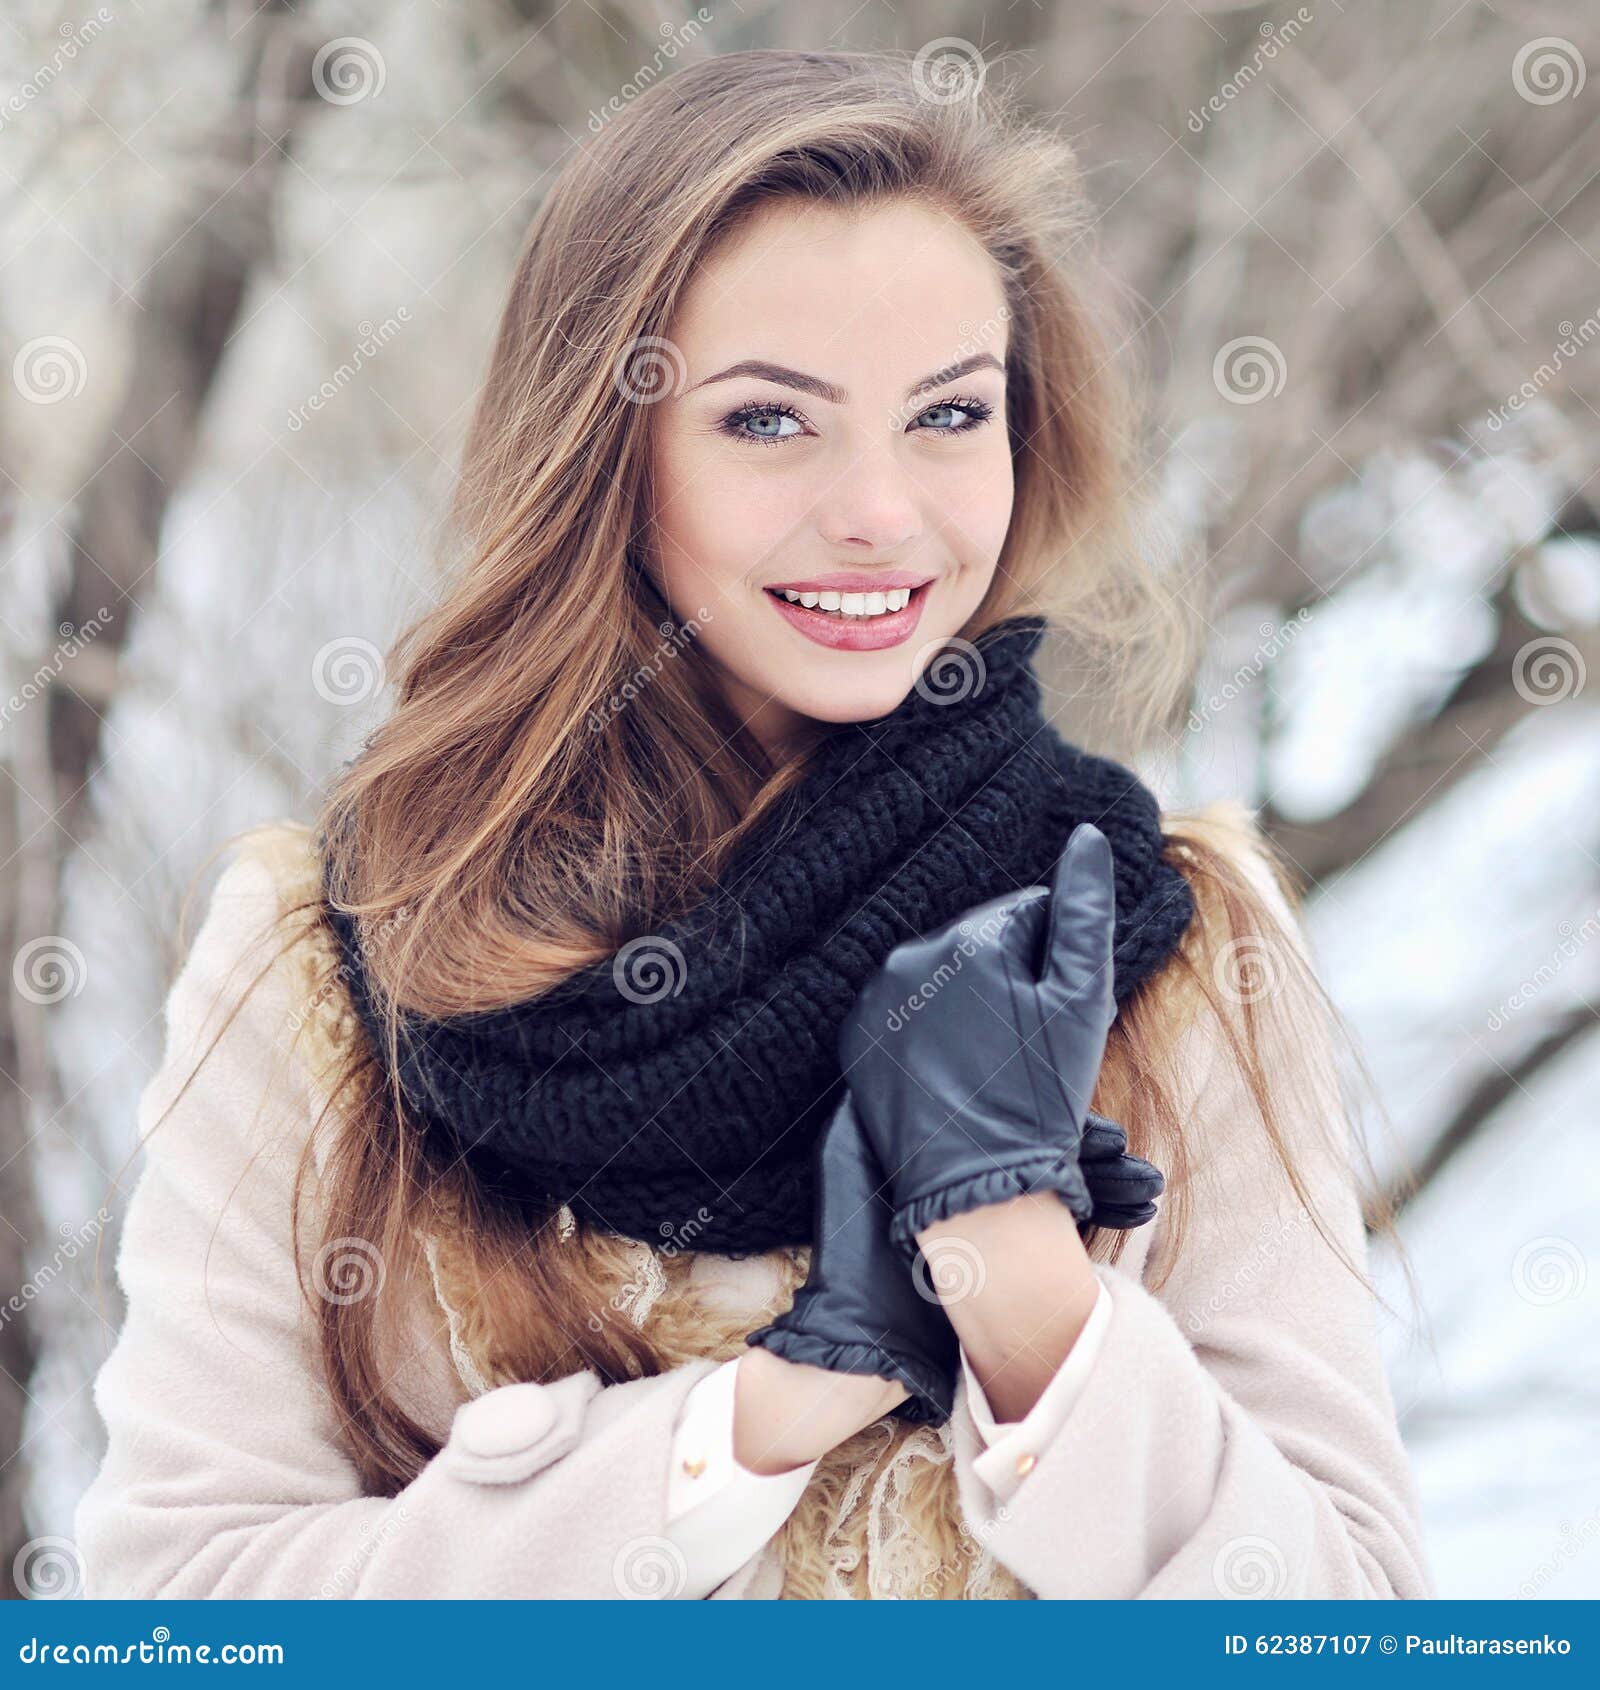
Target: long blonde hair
[(497, 840)]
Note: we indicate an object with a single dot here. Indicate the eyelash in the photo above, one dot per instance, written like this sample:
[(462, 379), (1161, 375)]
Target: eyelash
[(978, 413)]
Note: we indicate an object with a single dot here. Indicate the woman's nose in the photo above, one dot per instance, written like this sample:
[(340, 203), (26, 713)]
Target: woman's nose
[(870, 503)]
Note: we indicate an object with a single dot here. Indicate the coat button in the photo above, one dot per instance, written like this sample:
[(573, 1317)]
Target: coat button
[(1026, 1463), (504, 1420)]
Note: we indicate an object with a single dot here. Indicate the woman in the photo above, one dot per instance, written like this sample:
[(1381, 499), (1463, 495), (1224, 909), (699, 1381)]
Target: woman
[(679, 1038)]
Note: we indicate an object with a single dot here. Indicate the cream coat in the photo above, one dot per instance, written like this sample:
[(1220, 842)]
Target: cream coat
[(1236, 1435)]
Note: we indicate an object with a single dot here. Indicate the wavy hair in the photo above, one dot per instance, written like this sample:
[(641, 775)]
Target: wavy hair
[(492, 840)]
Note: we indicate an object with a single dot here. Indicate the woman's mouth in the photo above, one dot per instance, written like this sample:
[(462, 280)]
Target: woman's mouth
[(866, 619)]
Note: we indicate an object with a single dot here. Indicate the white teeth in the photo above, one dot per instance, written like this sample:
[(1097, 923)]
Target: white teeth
[(852, 604)]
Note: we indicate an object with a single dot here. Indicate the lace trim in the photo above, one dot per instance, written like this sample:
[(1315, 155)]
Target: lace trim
[(471, 1377)]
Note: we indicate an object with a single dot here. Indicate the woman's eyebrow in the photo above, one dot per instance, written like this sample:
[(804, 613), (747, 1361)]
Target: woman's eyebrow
[(786, 377)]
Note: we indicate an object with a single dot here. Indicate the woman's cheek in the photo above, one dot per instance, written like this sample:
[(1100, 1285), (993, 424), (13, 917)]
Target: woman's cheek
[(974, 513), (757, 520)]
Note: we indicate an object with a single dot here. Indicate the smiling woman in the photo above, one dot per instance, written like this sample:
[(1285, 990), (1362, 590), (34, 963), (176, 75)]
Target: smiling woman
[(698, 1092), (885, 464)]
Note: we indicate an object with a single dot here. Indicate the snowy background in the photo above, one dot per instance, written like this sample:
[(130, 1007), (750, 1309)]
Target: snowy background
[(250, 259)]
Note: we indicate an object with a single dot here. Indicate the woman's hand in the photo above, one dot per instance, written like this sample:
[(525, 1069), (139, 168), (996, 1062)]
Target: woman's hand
[(862, 1338), (787, 1413), (973, 1052), (1018, 1287)]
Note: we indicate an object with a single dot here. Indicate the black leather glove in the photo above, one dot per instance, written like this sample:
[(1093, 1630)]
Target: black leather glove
[(1122, 1187), (860, 1309), (973, 1051)]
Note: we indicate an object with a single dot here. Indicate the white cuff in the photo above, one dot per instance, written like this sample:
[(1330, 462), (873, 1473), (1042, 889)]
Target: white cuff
[(719, 1513), (1014, 1445)]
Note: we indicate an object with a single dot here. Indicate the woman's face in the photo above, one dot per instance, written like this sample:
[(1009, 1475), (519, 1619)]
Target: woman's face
[(838, 431)]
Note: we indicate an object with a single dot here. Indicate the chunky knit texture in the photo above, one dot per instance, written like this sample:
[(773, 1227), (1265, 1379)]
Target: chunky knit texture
[(689, 1075)]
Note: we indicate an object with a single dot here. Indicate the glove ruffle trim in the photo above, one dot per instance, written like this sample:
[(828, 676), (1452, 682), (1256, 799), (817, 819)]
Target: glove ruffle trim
[(1048, 1172), (932, 1396)]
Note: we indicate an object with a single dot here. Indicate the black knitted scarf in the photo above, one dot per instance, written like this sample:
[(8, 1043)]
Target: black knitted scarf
[(674, 1091)]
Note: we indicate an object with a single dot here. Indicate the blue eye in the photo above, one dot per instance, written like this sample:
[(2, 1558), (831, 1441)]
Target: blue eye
[(764, 424), (973, 413), (769, 424)]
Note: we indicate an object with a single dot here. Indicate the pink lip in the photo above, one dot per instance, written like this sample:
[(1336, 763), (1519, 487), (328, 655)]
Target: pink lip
[(851, 633), (856, 581)]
